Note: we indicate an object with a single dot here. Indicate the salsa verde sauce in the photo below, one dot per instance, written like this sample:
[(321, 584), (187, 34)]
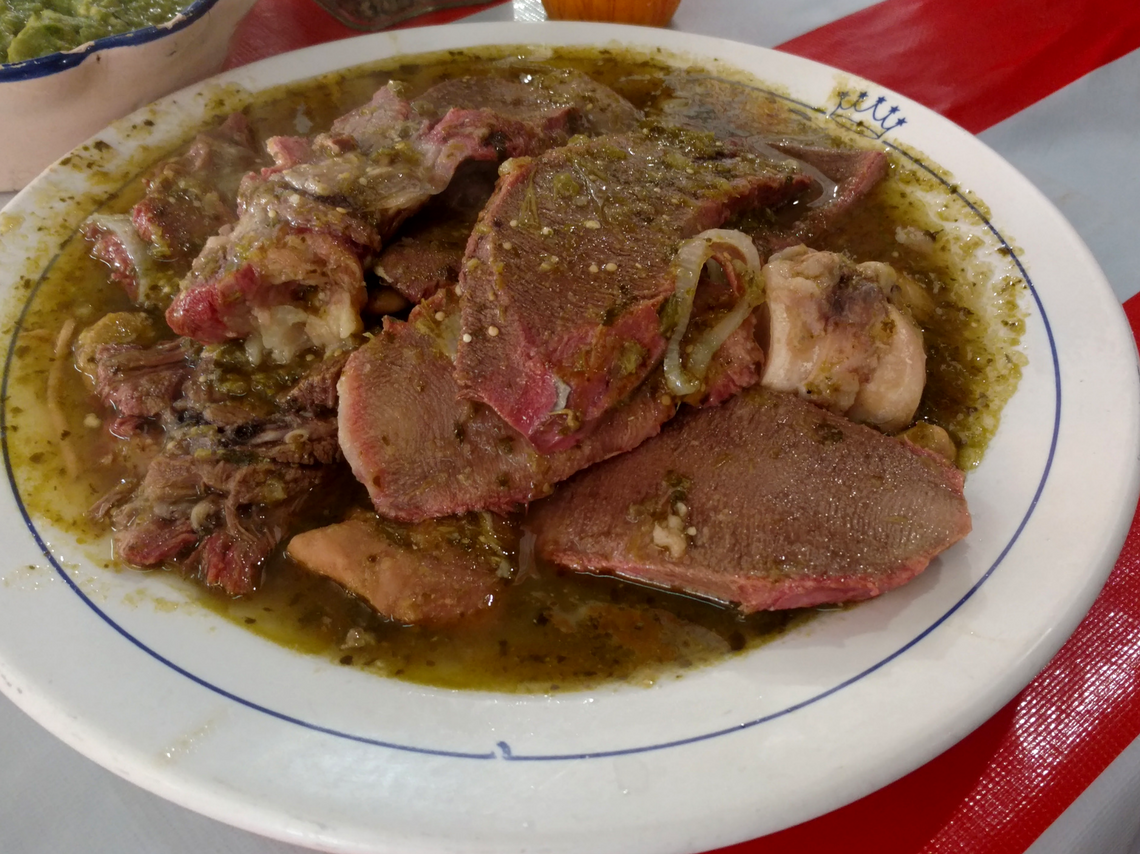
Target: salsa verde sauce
[(551, 630)]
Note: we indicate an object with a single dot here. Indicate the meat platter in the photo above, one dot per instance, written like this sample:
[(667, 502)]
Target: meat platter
[(223, 720)]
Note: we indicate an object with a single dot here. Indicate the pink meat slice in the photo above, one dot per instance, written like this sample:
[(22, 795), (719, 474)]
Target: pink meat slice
[(856, 173), (433, 573), (423, 452), (571, 264), (329, 203), (766, 502), (427, 252), (757, 120)]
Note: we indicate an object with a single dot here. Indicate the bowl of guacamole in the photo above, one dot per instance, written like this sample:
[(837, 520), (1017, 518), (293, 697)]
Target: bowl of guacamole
[(33, 28), (68, 68)]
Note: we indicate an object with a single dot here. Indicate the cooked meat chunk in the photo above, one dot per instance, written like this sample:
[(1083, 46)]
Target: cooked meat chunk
[(222, 518), (234, 471), (143, 382), (428, 249), (118, 327), (737, 365), (572, 263), (288, 275), (423, 452), (188, 199), (147, 282), (287, 290), (765, 502), (433, 573), (835, 338), (316, 390), (221, 414)]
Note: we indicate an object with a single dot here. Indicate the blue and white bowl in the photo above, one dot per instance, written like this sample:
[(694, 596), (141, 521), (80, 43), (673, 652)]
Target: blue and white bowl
[(50, 104)]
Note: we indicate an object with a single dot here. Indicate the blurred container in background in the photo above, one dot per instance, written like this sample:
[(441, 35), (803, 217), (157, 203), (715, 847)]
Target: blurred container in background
[(654, 13), (371, 15)]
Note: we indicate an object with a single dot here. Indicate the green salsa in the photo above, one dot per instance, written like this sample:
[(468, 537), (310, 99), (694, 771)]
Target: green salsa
[(551, 630), (32, 28)]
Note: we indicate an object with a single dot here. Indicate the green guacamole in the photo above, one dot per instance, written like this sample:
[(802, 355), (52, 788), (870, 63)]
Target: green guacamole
[(31, 28)]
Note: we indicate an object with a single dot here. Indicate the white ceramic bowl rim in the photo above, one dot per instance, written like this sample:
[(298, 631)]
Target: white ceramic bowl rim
[(42, 66)]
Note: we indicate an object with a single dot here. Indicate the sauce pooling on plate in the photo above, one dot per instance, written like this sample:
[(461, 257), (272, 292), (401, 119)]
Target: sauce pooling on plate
[(360, 358)]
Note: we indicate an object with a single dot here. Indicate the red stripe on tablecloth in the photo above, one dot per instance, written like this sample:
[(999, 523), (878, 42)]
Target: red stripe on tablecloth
[(976, 61), (277, 26)]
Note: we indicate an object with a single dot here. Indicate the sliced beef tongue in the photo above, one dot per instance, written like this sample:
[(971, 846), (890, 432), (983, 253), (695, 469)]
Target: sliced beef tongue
[(766, 502), (572, 264), (422, 452), (730, 109), (288, 274), (188, 198), (386, 159), (599, 109), (522, 90), (855, 173), (428, 250), (538, 97), (761, 122), (431, 573)]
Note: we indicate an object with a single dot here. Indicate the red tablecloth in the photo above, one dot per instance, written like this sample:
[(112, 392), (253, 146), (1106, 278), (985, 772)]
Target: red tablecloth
[(977, 63)]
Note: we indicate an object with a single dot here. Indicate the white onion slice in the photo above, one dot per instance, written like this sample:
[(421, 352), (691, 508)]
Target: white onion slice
[(690, 260)]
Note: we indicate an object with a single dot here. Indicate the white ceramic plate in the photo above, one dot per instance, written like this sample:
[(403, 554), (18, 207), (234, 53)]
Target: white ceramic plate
[(190, 706)]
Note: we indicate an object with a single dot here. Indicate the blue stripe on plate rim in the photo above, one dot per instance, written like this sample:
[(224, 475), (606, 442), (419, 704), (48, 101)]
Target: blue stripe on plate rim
[(42, 66), (503, 749)]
